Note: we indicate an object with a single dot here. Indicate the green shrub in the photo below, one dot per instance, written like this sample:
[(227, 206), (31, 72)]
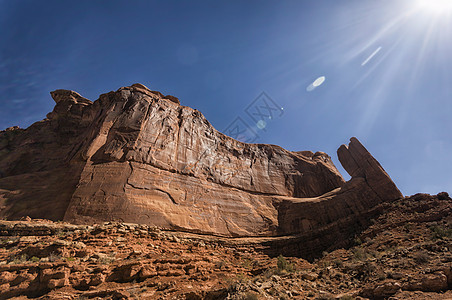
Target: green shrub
[(358, 241), (284, 265), (34, 259), (18, 259), (441, 232), (359, 254)]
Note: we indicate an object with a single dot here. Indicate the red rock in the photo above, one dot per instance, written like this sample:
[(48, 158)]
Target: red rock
[(434, 282), (97, 279), (384, 265), (6, 277), (359, 163), (147, 271), (386, 289), (328, 220), (4, 287), (68, 96), (137, 156), (57, 283), (126, 272), (172, 98)]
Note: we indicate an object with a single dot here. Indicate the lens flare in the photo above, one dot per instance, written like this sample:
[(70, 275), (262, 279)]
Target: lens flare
[(261, 124), (318, 82)]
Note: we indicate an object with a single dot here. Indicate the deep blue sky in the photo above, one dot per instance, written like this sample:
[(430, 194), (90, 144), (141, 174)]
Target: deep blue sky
[(218, 56)]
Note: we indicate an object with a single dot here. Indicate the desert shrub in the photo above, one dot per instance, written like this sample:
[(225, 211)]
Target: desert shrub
[(106, 260), (338, 263), (324, 264), (18, 259), (23, 258), (54, 257), (439, 232), (235, 285), (246, 263), (284, 265), (34, 259), (363, 254), (250, 296), (359, 254), (369, 268), (381, 276), (421, 257), (220, 264), (59, 233), (368, 241), (283, 297)]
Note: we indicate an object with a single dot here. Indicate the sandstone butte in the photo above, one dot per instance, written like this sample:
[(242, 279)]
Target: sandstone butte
[(137, 156)]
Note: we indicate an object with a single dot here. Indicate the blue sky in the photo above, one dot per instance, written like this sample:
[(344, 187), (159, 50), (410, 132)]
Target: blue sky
[(386, 63)]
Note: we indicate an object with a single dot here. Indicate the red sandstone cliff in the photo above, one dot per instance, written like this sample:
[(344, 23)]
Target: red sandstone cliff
[(137, 156)]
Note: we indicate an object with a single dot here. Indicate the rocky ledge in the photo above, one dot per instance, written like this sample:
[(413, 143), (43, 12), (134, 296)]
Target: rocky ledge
[(404, 254)]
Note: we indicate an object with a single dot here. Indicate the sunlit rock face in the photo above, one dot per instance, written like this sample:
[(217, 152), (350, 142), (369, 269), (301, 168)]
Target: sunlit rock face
[(138, 156)]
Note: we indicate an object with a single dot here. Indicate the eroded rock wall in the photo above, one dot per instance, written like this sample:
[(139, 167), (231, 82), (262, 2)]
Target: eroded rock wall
[(135, 155)]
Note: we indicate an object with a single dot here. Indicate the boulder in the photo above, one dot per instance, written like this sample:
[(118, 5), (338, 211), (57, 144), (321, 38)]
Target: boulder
[(434, 282)]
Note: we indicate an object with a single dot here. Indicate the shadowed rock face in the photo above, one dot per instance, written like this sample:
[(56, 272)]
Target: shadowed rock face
[(137, 156), (359, 163)]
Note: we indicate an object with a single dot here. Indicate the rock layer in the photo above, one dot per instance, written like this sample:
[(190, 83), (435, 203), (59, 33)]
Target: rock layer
[(137, 156)]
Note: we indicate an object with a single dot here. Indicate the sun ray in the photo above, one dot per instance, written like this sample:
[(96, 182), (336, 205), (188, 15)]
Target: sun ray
[(437, 7), (428, 37)]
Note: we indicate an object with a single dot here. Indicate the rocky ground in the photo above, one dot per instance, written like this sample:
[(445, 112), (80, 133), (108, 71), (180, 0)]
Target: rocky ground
[(405, 254)]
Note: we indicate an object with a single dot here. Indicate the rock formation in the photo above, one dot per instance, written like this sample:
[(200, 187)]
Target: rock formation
[(138, 156)]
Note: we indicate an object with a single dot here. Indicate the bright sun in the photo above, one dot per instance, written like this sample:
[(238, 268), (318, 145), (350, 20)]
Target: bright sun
[(435, 6)]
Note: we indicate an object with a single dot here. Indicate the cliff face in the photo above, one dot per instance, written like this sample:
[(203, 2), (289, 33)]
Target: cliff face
[(137, 156)]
